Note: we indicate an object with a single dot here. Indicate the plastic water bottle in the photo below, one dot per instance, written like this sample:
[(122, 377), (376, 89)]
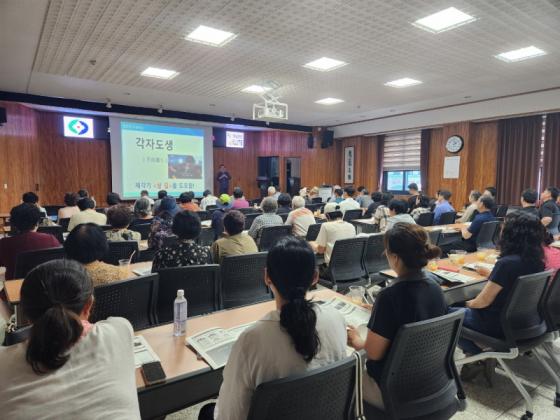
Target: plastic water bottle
[(180, 314)]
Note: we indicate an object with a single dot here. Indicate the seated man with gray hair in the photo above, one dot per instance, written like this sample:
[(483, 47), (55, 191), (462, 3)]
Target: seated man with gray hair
[(269, 217), (300, 218), (273, 193)]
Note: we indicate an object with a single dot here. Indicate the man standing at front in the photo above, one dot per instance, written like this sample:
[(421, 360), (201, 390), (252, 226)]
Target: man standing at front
[(223, 178)]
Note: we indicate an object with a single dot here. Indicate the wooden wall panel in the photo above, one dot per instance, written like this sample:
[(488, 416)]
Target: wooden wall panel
[(365, 161), (483, 160)]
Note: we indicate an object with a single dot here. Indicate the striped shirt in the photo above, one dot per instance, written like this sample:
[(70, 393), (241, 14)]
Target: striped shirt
[(300, 220), (262, 221)]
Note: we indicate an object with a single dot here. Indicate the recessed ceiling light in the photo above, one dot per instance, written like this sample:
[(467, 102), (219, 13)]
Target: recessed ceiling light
[(210, 36), (329, 101), (520, 54), (404, 82), (325, 64), (444, 20), (256, 89), (159, 73)]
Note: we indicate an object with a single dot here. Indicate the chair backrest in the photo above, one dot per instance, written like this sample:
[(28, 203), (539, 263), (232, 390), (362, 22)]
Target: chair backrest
[(204, 215), (201, 284), (170, 240), (502, 210), (105, 227), (211, 207), (314, 206), (521, 318), (419, 376), (271, 234), (54, 230), (350, 215), (375, 259), (324, 393), (434, 236), (425, 219), (27, 261), (347, 260), (242, 280), (121, 250), (249, 210), (249, 219), (17, 336), (485, 238), (551, 304), (64, 223), (313, 232), (133, 299), (316, 200), (448, 218), (206, 237), (143, 229), (284, 216)]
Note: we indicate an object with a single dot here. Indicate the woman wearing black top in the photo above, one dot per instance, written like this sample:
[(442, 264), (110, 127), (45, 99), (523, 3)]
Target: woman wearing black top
[(414, 296)]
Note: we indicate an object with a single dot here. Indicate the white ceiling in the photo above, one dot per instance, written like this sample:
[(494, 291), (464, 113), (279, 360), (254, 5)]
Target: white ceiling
[(46, 48)]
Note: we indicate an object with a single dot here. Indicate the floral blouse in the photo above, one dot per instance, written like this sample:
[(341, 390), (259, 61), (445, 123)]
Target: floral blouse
[(159, 230), (183, 253)]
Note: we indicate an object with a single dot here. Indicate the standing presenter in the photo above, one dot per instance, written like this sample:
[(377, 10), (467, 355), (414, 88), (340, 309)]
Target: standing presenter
[(223, 178)]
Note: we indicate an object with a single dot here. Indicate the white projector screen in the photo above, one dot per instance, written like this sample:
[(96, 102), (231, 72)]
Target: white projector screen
[(153, 156)]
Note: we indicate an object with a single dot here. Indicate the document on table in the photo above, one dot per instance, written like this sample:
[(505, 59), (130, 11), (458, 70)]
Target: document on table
[(353, 314)]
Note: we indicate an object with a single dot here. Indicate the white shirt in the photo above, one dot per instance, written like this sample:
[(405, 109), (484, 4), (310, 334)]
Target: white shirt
[(87, 216), (300, 219), (331, 232), (209, 200), (97, 382), (265, 352), (348, 204)]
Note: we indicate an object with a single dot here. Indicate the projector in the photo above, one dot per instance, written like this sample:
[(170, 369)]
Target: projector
[(270, 108)]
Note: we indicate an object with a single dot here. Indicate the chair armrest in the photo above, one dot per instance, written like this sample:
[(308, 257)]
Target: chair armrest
[(485, 340)]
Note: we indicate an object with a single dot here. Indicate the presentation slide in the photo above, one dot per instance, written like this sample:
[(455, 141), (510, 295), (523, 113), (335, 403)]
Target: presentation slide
[(148, 155)]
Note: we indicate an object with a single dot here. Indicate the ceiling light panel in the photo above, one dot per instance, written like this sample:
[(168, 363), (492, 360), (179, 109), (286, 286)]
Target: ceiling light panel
[(325, 64), (159, 73), (256, 89), (210, 36), (444, 20), (329, 101), (520, 54), (404, 82)]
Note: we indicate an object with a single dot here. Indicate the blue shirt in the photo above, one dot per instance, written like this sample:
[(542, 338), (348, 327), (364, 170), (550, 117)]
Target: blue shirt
[(443, 207), (477, 223)]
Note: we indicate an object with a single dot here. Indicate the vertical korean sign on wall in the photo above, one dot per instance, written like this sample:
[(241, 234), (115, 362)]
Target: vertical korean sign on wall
[(349, 165)]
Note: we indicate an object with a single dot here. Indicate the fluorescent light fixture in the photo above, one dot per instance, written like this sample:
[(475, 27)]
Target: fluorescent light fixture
[(404, 82), (159, 73), (325, 64), (329, 101), (444, 20), (210, 36), (256, 89), (520, 54)]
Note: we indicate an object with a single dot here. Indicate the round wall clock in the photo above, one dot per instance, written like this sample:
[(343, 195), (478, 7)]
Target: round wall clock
[(454, 144)]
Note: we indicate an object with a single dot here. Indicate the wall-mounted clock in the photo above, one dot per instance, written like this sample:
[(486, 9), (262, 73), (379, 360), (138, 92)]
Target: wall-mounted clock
[(454, 144)]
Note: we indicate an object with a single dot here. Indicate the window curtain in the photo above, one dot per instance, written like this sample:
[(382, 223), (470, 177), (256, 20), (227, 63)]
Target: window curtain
[(551, 165), (380, 154), (518, 157), (424, 158)]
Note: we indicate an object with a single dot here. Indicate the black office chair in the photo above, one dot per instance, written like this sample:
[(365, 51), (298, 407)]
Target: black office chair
[(284, 216), (249, 210), (425, 219), (434, 236), (316, 200), (485, 238), (271, 234), (419, 378), (27, 261), (210, 208), (249, 219), (501, 211), (242, 278), (16, 336), (350, 215), (143, 229), (170, 240), (346, 266), (105, 228), (121, 250), (375, 260), (54, 230), (64, 223), (134, 299), (206, 237), (447, 218), (201, 284), (523, 326), (323, 393), (204, 215), (313, 232), (314, 206)]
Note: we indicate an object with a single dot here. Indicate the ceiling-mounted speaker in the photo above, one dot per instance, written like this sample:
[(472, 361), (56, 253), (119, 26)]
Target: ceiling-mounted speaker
[(327, 138), (310, 141)]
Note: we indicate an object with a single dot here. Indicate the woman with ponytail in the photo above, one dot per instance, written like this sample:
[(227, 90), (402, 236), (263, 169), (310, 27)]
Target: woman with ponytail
[(414, 296), (68, 368), (296, 337)]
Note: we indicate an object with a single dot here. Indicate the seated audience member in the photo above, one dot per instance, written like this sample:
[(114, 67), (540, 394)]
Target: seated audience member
[(24, 220), (119, 217), (442, 205), (363, 199), (529, 199), (88, 245), (330, 232), (269, 218), (87, 214), (67, 362), (146, 194), (313, 193), (348, 203), (207, 199), (273, 193), (71, 201), (113, 199), (398, 214), (161, 195), (186, 225), (470, 233), (382, 212), (415, 296), (239, 201), (142, 212), (303, 193), (376, 197), (490, 192), (521, 253), (414, 193), (548, 212), (32, 198), (551, 254), (186, 202), (162, 223), (296, 337), (223, 206), (333, 205), (422, 206), (471, 209), (235, 242), (334, 197), (300, 218), (284, 203), (83, 193)]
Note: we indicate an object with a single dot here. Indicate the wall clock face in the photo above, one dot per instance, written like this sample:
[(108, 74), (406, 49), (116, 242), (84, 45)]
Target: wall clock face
[(454, 144)]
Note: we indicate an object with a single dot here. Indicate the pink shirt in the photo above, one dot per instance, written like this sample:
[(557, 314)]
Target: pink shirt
[(551, 258), (240, 203)]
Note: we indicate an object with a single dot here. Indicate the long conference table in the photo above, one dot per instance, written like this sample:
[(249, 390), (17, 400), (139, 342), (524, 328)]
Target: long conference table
[(191, 380)]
